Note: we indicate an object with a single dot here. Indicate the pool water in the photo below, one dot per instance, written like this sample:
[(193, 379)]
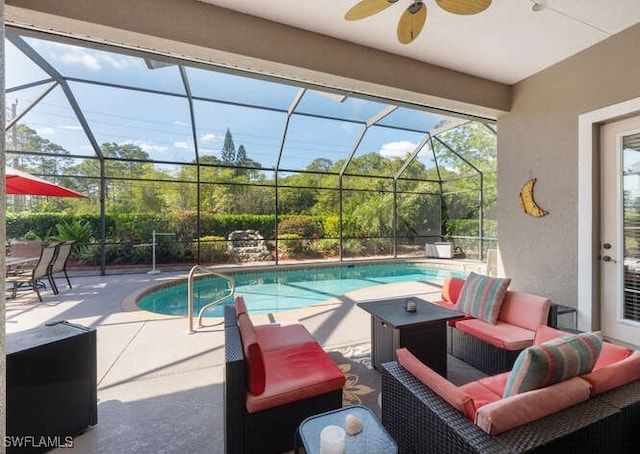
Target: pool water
[(286, 289)]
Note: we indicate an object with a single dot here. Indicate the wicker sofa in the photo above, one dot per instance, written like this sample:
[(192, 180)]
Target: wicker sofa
[(298, 380), (494, 348), (420, 421)]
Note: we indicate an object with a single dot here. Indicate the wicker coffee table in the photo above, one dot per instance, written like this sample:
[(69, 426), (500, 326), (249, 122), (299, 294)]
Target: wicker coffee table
[(423, 332), (374, 439)]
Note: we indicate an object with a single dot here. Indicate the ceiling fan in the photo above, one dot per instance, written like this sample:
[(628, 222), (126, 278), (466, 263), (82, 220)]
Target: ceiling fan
[(413, 18)]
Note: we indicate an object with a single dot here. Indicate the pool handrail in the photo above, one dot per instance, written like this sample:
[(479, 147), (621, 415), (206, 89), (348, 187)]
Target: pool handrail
[(190, 279)]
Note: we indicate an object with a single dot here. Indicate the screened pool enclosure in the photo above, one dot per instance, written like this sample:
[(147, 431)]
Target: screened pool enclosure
[(195, 152)]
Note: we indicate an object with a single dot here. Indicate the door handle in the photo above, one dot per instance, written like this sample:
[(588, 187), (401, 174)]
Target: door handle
[(606, 258)]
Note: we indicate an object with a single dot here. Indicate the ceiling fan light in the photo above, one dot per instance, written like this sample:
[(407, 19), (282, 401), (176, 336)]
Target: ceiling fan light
[(539, 5), (415, 7)]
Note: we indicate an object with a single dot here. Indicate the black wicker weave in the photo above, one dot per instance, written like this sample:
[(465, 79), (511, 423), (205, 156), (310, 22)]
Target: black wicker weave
[(269, 431), (627, 399), (421, 422), (482, 355)]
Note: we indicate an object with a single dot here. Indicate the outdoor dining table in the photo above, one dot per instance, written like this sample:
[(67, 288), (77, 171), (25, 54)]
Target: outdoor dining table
[(16, 262)]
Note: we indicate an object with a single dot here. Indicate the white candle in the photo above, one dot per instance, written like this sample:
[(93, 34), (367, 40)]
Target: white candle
[(332, 440)]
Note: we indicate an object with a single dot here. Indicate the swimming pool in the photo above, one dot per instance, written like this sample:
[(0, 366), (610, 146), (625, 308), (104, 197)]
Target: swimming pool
[(285, 289)]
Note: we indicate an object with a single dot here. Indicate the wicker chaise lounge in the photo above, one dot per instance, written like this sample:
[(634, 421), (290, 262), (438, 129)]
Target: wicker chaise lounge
[(420, 421)]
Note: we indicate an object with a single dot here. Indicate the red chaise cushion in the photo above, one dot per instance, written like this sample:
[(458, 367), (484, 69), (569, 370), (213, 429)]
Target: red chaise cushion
[(296, 373), (253, 355)]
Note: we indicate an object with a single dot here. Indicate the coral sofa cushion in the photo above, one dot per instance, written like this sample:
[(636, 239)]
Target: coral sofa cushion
[(546, 333), (256, 378), (503, 335), (452, 394), (294, 374), (611, 353), (496, 383), (510, 412), (480, 395), (482, 297), (452, 307), (241, 307), (553, 361), (451, 288), (614, 375), (524, 310)]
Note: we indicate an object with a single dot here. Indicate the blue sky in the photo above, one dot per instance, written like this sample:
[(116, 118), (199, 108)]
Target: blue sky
[(160, 124)]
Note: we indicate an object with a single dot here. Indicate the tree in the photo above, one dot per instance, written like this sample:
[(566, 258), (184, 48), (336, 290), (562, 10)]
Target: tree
[(126, 170), (28, 139), (475, 146), (228, 152), (241, 156), (50, 160)]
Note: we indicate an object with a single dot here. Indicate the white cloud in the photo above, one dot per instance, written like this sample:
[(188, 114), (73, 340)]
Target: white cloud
[(397, 149), (117, 63), (148, 146), (209, 137), (182, 145), (71, 128), (46, 131), (77, 56), (91, 60)]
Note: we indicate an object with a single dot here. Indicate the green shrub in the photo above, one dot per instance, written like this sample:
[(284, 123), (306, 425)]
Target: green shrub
[(328, 247), (87, 254), (289, 243), (331, 226), (321, 247), (213, 249), (303, 226), (353, 248), (77, 230)]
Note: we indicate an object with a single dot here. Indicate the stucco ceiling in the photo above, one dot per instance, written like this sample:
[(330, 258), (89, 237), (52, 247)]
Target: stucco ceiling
[(506, 43)]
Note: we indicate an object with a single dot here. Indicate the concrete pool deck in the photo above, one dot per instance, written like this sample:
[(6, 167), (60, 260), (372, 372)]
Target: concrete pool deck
[(159, 388)]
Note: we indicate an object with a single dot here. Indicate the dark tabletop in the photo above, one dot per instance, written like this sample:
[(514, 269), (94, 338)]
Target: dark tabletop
[(393, 313)]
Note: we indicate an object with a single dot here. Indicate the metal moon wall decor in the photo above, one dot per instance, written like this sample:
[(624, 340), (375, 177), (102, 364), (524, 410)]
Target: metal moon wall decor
[(528, 203)]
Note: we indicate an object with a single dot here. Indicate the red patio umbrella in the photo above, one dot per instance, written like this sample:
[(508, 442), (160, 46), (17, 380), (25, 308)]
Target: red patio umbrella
[(18, 182)]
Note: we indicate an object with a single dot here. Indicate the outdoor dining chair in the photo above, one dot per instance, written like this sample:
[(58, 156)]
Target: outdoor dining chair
[(59, 264), (33, 275)]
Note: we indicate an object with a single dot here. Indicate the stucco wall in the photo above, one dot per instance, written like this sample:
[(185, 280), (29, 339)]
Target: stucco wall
[(539, 138)]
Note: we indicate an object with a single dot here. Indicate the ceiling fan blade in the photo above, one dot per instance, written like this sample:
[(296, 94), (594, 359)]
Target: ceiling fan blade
[(366, 8), (464, 7), (411, 22)]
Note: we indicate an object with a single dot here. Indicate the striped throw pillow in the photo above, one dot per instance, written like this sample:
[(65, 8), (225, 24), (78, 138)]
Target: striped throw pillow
[(553, 361), (482, 297)]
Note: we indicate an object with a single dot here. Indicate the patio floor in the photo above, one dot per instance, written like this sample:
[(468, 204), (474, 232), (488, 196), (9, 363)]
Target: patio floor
[(159, 388)]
